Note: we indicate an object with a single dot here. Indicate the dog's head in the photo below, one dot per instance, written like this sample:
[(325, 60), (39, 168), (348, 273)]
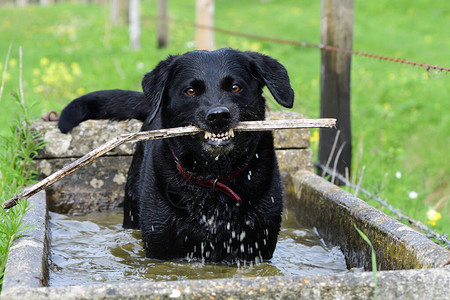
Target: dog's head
[(214, 90)]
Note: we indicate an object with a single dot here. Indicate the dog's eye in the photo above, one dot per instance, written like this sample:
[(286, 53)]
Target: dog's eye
[(235, 88), (190, 92)]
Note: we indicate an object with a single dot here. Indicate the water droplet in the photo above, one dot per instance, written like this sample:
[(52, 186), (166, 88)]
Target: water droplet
[(132, 219), (256, 245), (242, 236), (273, 200), (265, 242), (242, 248), (257, 156), (228, 226), (258, 260), (153, 228), (233, 234), (175, 293), (217, 157)]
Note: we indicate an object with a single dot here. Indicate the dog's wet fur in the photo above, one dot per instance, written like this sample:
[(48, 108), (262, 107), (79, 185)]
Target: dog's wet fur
[(212, 90)]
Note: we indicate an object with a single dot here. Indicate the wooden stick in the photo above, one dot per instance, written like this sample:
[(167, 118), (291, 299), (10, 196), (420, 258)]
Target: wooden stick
[(159, 134), (242, 126)]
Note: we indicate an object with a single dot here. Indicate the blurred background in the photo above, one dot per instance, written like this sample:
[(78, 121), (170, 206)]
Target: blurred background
[(399, 113)]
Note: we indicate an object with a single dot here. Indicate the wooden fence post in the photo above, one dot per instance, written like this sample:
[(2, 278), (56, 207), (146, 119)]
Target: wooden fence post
[(115, 12), (336, 31), (162, 24), (135, 24), (21, 3), (205, 17)]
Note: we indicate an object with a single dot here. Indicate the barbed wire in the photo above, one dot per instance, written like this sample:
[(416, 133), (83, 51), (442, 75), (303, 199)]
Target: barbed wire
[(441, 238), (426, 66)]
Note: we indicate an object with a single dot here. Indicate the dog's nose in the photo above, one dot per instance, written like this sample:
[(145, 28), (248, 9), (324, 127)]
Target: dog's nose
[(218, 116)]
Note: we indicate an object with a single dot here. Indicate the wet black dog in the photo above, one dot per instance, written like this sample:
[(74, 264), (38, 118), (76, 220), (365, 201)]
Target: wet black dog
[(215, 195)]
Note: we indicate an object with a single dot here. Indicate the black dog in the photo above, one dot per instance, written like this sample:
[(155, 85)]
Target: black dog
[(215, 195)]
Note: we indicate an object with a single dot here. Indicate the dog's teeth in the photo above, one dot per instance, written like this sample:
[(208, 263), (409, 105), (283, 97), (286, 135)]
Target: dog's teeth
[(221, 136)]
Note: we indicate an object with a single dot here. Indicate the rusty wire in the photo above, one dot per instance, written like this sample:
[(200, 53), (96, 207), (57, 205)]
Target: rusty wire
[(322, 47)]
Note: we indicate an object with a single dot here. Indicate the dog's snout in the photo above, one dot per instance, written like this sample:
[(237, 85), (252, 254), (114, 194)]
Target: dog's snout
[(218, 115)]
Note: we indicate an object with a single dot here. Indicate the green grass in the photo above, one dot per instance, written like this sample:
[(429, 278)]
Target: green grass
[(400, 114), (17, 151), (374, 261)]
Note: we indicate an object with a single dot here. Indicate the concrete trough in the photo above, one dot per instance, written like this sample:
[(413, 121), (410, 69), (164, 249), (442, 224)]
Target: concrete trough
[(411, 266)]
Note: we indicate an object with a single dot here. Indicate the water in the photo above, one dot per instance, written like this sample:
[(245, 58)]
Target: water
[(96, 249)]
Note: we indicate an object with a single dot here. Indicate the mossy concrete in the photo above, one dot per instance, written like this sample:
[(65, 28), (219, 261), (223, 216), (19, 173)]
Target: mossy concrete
[(334, 212), (27, 261), (411, 284)]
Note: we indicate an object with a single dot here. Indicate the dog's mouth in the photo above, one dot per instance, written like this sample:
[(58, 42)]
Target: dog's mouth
[(219, 139)]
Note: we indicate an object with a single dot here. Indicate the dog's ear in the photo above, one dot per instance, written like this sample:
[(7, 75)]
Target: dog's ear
[(154, 83), (274, 76)]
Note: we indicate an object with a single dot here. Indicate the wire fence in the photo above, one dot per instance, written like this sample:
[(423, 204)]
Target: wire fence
[(426, 66)]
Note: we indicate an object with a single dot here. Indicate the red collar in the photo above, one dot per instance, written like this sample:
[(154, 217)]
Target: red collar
[(216, 184)]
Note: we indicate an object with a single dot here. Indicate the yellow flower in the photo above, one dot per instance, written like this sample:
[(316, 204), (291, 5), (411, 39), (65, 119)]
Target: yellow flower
[(7, 76), (256, 47), (433, 216), (36, 72), (81, 91), (12, 62), (39, 89), (76, 70), (314, 137), (44, 61)]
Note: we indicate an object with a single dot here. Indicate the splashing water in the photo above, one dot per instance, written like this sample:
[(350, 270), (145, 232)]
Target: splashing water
[(96, 249)]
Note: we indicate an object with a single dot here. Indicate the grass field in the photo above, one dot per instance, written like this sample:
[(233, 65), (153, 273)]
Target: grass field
[(400, 114)]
